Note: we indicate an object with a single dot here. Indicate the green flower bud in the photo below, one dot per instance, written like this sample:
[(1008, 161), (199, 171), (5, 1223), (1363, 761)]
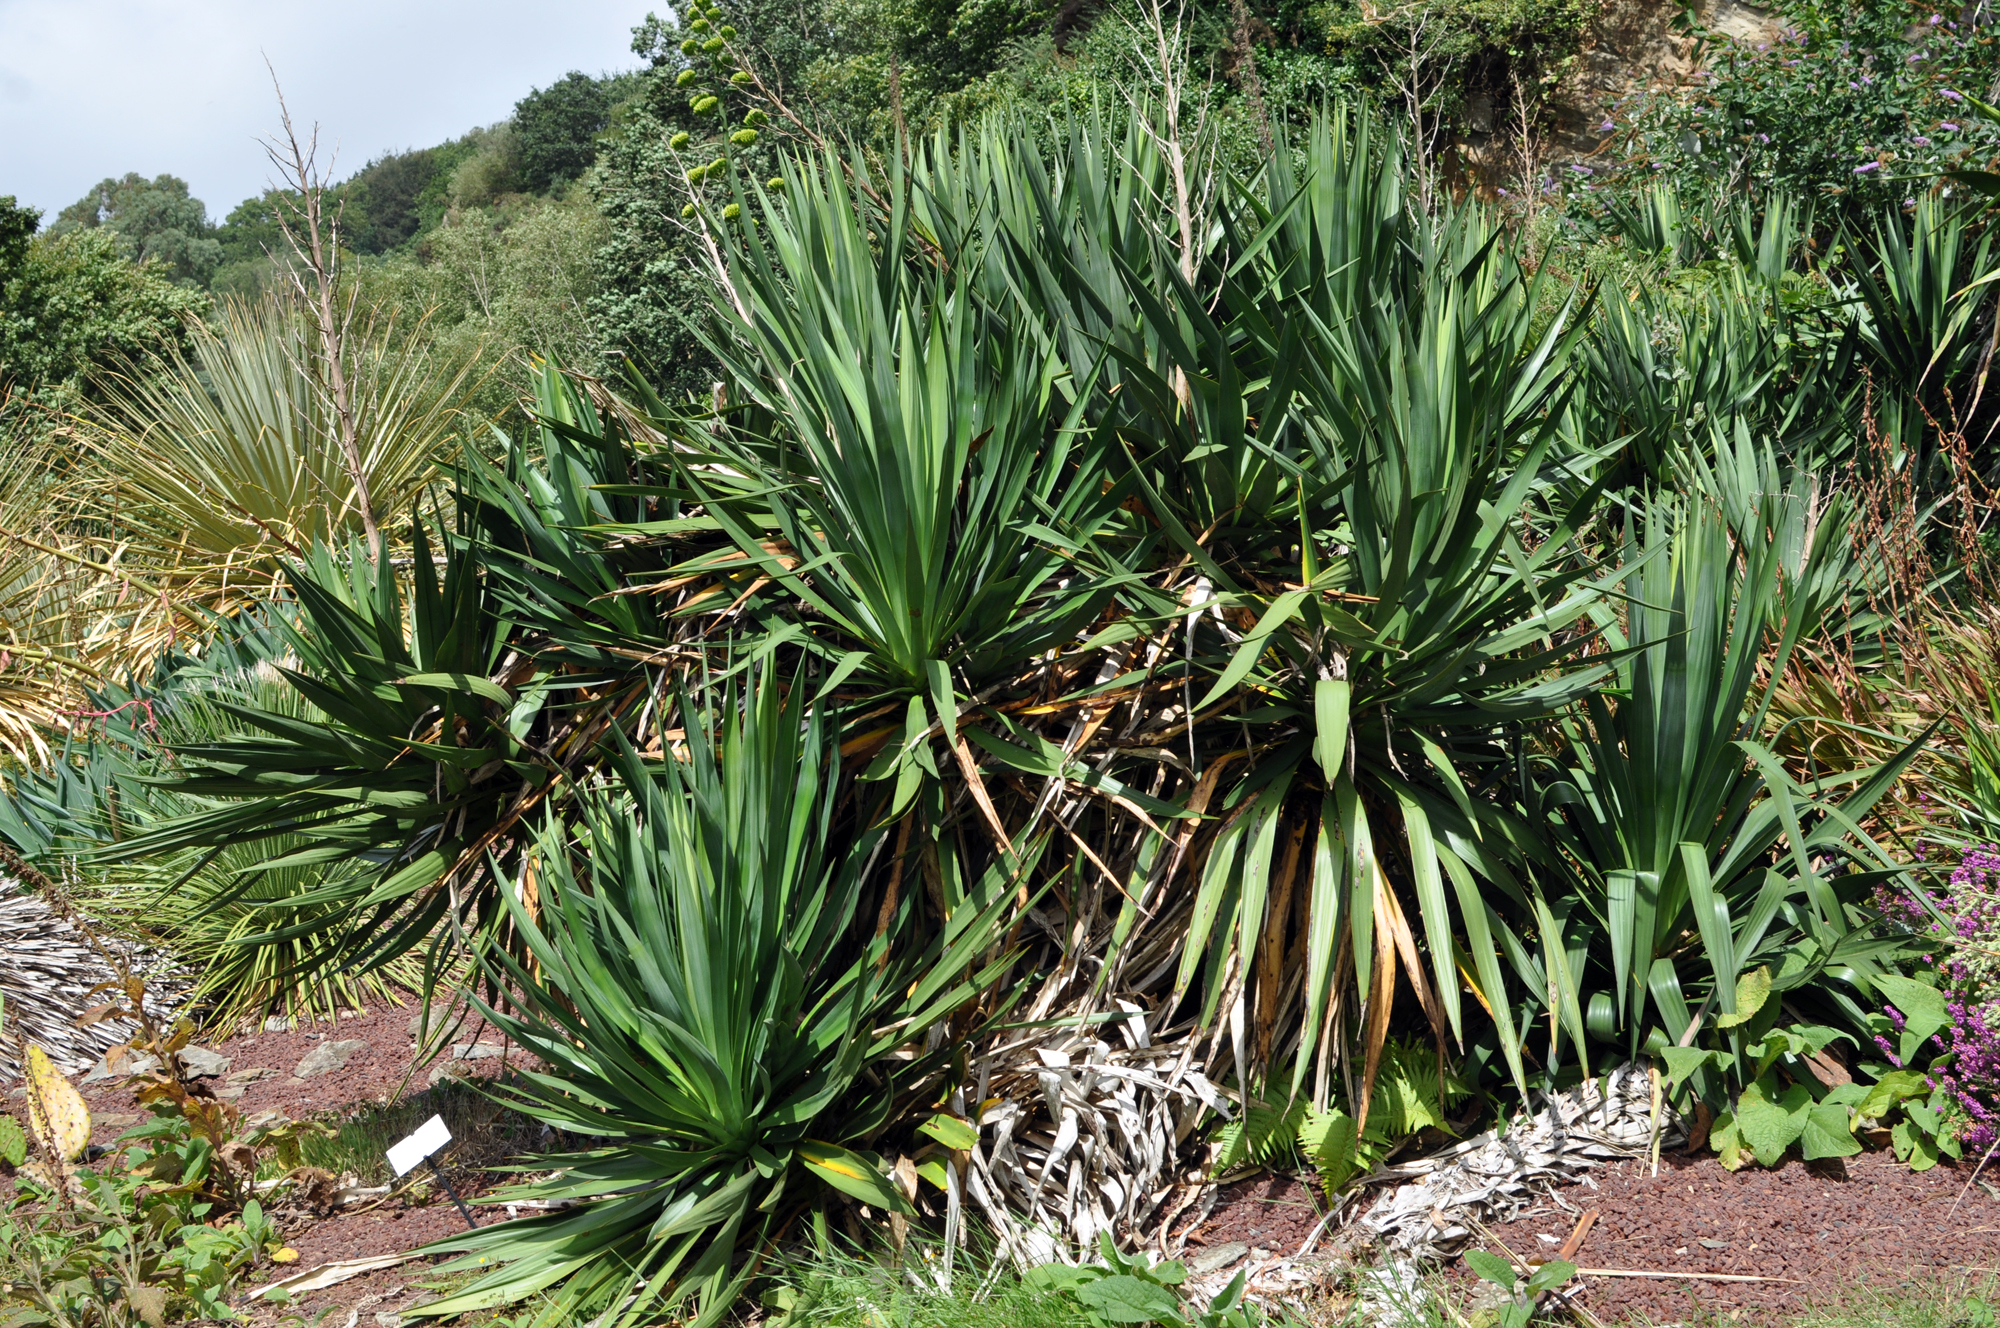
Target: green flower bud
[(715, 13), (717, 166), (726, 30), (776, 184), (680, 140), (744, 138), (754, 117), (703, 105), (741, 78), (690, 46), (731, 212), (699, 25), (687, 210), (685, 77), (712, 45), (697, 175)]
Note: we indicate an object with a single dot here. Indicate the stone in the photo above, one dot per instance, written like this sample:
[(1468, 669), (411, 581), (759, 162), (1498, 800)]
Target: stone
[(442, 1071), (129, 1065), (1216, 1258), (328, 1056), (441, 1024), (477, 1051), (278, 1023), (1486, 1301), (251, 1075), (202, 1063), (196, 1063), (115, 1120)]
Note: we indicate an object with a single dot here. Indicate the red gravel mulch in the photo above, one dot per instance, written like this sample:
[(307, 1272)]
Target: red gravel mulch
[(1830, 1227), (1271, 1212), (390, 1229), (387, 1069)]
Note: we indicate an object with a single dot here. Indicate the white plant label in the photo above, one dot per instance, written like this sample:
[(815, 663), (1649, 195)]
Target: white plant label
[(430, 1136)]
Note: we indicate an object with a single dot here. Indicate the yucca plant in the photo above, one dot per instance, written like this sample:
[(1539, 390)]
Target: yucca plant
[(714, 1022), (413, 771), (905, 446), (67, 620), (227, 914), (1418, 623), (1281, 594), (1917, 313), (1672, 816), (227, 461)]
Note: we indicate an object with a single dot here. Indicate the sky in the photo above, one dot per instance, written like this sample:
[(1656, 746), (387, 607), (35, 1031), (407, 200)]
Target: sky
[(96, 88)]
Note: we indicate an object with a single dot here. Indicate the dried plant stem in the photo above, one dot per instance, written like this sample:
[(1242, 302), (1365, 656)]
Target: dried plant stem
[(314, 239)]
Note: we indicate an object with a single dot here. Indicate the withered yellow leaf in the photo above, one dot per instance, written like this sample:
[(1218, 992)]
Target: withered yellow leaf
[(55, 1109)]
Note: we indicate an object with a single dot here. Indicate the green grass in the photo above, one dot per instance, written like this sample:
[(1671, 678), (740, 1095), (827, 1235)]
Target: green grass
[(835, 1290), (844, 1290), (1956, 1300)]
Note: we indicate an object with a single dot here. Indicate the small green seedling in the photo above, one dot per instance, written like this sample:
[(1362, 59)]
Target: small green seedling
[(1546, 1278)]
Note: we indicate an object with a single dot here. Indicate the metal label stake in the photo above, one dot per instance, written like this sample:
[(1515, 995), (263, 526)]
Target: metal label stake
[(421, 1147)]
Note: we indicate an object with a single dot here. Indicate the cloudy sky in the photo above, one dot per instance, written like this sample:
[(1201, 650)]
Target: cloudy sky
[(90, 88)]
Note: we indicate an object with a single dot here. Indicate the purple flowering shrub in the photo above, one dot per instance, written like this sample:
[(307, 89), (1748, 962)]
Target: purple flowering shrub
[(1852, 100), (1962, 927)]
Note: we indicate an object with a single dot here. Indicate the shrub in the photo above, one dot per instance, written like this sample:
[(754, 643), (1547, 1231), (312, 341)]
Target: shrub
[(1963, 924)]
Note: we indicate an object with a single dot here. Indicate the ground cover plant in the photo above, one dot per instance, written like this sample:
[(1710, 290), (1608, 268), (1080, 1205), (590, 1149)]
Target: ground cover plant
[(1136, 647)]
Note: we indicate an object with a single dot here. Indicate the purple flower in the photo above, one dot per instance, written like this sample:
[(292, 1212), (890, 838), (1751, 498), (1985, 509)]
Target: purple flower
[(1949, 95), (1581, 169), (1921, 141), (1966, 1066), (1867, 166), (1936, 19), (1948, 126), (1607, 126)]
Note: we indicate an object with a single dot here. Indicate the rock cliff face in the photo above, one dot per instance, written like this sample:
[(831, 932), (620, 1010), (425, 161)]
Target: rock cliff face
[(1630, 46)]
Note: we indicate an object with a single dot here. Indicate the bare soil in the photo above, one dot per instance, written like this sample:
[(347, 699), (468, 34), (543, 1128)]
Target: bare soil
[(1826, 1228), (1817, 1231), (1273, 1212), (390, 1069)]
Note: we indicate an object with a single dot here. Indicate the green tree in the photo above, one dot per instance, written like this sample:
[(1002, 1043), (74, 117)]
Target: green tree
[(153, 219), (556, 129), (383, 199), (486, 284), (72, 302), (17, 228)]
